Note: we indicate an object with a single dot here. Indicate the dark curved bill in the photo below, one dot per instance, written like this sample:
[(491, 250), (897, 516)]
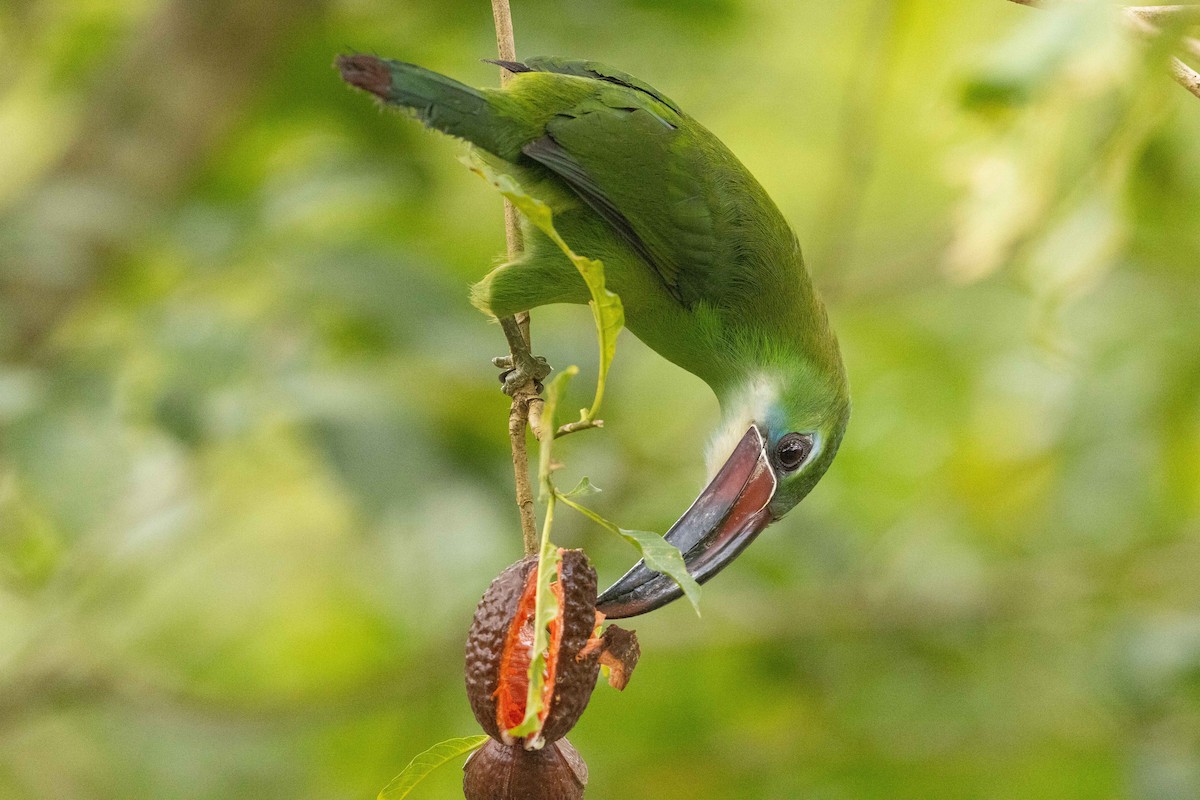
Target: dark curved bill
[(723, 520)]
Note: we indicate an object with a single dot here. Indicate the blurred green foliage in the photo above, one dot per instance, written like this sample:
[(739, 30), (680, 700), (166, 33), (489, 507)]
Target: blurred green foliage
[(253, 468)]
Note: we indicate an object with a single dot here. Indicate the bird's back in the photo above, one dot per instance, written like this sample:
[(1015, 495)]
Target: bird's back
[(677, 201)]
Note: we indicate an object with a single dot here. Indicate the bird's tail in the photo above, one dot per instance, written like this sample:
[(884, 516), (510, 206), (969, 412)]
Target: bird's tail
[(440, 102)]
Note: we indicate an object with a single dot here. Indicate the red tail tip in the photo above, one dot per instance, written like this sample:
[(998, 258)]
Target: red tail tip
[(367, 73)]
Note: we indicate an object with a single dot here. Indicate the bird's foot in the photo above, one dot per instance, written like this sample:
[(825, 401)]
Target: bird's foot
[(520, 371)]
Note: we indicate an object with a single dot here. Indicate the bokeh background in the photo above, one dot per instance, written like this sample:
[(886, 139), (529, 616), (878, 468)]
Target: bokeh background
[(253, 466)]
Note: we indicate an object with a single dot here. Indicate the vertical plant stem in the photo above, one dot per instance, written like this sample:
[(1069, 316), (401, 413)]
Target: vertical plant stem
[(516, 329), (507, 50)]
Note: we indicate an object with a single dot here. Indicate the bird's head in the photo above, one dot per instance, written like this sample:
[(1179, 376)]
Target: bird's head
[(779, 432), (799, 419)]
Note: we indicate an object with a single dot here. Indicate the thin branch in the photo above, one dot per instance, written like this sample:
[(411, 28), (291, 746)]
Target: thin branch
[(1178, 15), (1185, 76), (580, 425), (1140, 22), (507, 50), (525, 390)]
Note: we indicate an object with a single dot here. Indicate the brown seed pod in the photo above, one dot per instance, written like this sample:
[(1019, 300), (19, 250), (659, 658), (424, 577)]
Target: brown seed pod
[(500, 772), (500, 640)]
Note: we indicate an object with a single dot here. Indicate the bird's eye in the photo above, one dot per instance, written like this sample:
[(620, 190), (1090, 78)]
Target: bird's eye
[(793, 450)]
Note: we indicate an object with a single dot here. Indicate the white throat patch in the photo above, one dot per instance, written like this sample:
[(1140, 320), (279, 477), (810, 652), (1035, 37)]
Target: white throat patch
[(749, 406)]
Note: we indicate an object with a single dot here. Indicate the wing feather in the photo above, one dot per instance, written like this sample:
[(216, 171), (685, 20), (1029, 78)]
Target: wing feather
[(652, 174)]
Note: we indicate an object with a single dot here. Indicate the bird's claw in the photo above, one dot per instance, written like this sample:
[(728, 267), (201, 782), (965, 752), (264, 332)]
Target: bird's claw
[(525, 369)]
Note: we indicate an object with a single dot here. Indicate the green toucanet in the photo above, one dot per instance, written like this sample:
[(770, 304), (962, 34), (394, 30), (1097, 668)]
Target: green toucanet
[(709, 272)]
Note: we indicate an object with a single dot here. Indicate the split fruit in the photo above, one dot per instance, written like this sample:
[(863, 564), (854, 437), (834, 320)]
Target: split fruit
[(499, 651)]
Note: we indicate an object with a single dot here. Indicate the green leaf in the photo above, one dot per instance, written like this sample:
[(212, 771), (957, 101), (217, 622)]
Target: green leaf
[(427, 762), (554, 392), (545, 603), (659, 554), (582, 489), (607, 311), (545, 611)]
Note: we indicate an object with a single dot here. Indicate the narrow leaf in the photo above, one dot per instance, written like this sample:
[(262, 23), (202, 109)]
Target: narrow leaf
[(427, 762), (607, 311), (545, 611), (659, 554), (545, 603), (582, 489), (554, 392)]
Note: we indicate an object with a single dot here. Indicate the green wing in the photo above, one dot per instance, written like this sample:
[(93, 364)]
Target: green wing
[(649, 171), (665, 185)]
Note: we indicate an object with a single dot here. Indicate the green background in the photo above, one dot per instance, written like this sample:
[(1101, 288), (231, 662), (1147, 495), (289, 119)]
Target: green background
[(253, 466)]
